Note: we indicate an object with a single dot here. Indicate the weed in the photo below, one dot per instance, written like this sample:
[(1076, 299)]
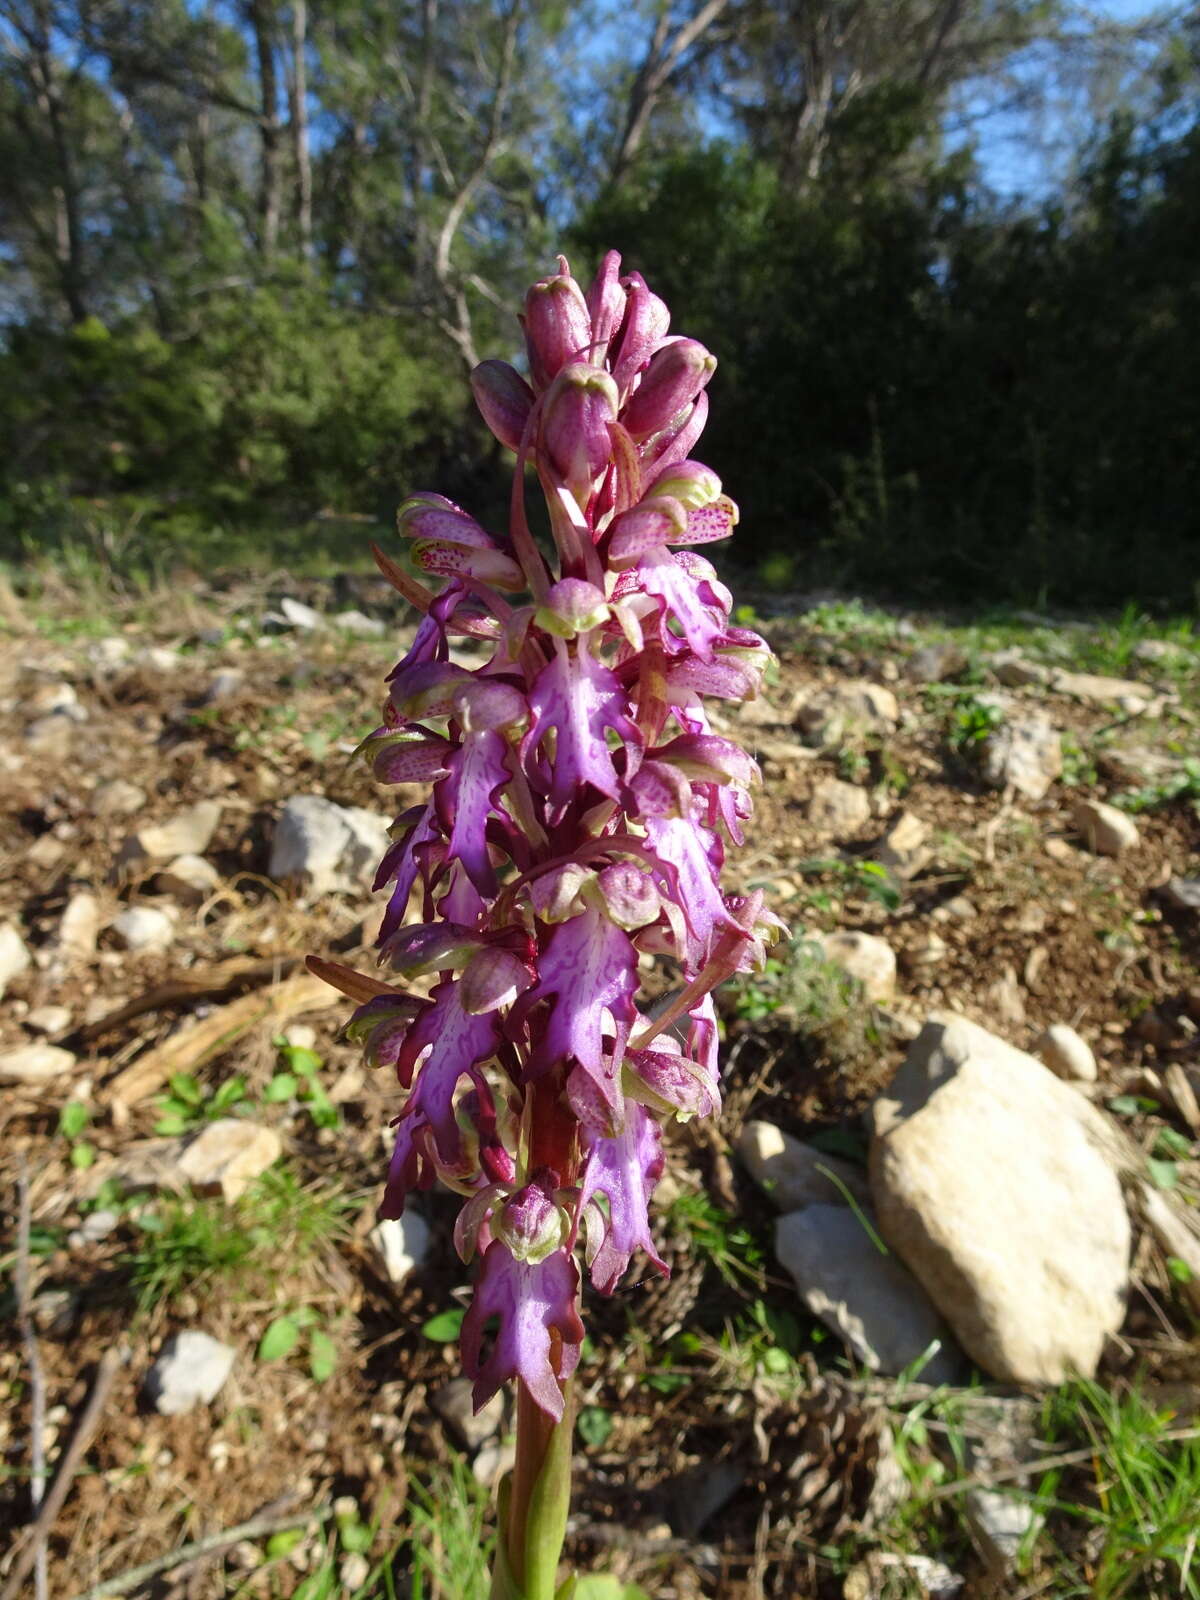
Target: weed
[(187, 1106), (1181, 785), (451, 1547), (1078, 767), (719, 1238), (188, 1242), (974, 721)]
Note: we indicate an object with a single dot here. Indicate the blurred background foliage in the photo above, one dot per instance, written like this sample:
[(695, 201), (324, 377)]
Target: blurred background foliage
[(249, 248)]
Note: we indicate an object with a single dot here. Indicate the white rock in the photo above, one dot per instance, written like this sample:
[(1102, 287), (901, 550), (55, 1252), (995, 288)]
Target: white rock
[(993, 1181), (108, 653), (1000, 1524), (1095, 690), (327, 846), (80, 925), (51, 736), (227, 1155), (187, 833), (354, 1571), (191, 1370), (903, 848), (1183, 894), (453, 1403), (48, 1019), (1105, 830), (157, 658), (224, 685), (1066, 1054), (57, 699), (1024, 753), (1155, 651), (117, 798), (867, 1298), (1011, 667), (795, 1175), (144, 928), (863, 956), (857, 706), (35, 1063), (14, 955), (934, 663), (357, 622), (401, 1244), (300, 615), (886, 1574), (188, 879), (838, 808), (97, 1225)]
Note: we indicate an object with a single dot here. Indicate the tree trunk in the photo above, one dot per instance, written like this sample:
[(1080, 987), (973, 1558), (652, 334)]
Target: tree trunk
[(261, 22), (299, 119)]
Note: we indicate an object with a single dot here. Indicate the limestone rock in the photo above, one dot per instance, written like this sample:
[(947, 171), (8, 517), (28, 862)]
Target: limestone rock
[(453, 1403), (188, 879), (993, 1181), (401, 1243), (866, 957), (52, 736), (223, 685), (858, 706), (1024, 753), (1067, 1055), (795, 1175), (1014, 671), (227, 1155), (838, 808), (14, 955), (1183, 894), (359, 624), (191, 1370), (327, 846), (35, 1063), (144, 928), (80, 925), (117, 798), (867, 1298), (1094, 690), (48, 1019), (903, 848), (301, 616), (1000, 1523), (935, 663), (1105, 830), (188, 833)]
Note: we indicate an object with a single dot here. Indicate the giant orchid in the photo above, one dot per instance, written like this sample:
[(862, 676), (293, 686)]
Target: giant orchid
[(576, 825)]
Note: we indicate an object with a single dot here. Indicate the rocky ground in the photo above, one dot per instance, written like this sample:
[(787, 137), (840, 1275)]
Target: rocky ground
[(930, 1324)]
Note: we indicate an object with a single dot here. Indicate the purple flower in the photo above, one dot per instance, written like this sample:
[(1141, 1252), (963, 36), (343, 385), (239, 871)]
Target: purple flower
[(579, 814)]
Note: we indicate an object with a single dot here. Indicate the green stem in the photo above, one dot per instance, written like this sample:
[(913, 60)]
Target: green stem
[(534, 1503)]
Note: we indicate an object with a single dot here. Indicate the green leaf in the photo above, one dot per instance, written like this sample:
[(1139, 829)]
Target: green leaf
[(281, 1087), (595, 1426), (82, 1155), (279, 1340), (318, 1586), (604, 1588), (355, 1536), (170, 1124), (322, 1356), (1128, 1105), (444, 1326), (74, 1118), (302, 1060), (283, 1543), (230, 1092), (1163, 1174), (185, 1088), (1172, 1143), (1179, 1269)]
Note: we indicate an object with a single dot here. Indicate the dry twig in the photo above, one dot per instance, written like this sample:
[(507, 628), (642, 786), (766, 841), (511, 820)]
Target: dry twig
[(37, 1382)]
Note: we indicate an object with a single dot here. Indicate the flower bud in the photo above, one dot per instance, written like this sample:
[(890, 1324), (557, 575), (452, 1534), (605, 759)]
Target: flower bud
[(558, 326), (674, 442), (430, 947), (572, 606), (493, 978), (659, 520), (709, 759), (579, 409), (660, 790), (426, 689), (606, 303), (690, 482), (489, 703), (530, 1224), (449, 543), (555, 894), (380, 1025), (646, 322), (675, 376), (504, 400), (407, 757), (630, 896)]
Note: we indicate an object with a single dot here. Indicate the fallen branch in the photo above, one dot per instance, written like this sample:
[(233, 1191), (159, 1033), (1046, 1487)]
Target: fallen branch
[(196, 1041), (89, 1421), (37, 1383), (1034, 1466), (256, 1528), (241, 973)]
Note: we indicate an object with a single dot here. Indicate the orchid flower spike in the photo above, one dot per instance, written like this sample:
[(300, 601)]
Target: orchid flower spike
[(579, 809)]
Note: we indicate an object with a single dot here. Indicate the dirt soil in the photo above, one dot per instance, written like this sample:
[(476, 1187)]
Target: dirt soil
[(701, 1474)]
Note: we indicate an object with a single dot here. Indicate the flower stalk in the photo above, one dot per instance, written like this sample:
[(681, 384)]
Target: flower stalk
[(578, 817)]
